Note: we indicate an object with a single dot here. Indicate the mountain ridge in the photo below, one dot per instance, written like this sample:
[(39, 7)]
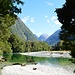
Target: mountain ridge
[(54, 38), (43, 37), (21, 30)]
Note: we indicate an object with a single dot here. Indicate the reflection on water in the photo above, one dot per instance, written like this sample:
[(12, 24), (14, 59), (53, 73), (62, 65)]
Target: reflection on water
[(39, 60), (18, 58)]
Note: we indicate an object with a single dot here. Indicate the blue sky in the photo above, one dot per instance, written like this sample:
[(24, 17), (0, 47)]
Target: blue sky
[(39, 15)]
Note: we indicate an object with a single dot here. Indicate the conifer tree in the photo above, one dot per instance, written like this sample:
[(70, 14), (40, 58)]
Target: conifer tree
[(66, 16)]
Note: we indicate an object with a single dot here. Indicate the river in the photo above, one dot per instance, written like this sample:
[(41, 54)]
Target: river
[(65, 63)]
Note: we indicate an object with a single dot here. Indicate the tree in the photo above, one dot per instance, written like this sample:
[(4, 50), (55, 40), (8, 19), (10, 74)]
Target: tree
[(45, 46), (66, 16), (60, 45), (17, 44), (6, 22), (5, 47), (8, 11), (10, 7)]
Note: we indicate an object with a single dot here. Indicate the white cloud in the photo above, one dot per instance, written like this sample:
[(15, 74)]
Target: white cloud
[(25, 19), (49, 3), (54, 19), (48, 20), (37, 33), (28, 16), (57, 22), (46, 16), (31, 19)]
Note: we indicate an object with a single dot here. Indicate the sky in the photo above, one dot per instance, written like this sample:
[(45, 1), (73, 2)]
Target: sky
[(40, 16)]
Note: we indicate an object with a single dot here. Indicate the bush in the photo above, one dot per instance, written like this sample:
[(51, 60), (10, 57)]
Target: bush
[(1, 52)]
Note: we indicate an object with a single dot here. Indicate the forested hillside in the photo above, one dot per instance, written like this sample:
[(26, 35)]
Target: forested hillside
[(21, 30), (20, 38)]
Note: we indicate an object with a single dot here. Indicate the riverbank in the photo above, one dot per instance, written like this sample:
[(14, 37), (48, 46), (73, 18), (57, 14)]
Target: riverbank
[(49, 54), (40, 69), (35, 70)]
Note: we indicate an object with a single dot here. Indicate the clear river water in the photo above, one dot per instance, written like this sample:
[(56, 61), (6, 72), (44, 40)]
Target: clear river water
[(66, 63)]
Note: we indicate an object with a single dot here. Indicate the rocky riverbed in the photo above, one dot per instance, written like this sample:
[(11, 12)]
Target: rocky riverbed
[(35, 70), (41, 69)]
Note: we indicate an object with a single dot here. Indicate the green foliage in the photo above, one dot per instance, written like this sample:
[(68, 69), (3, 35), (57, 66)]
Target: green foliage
[(36, 46), (66, 15), (45, 46), (5, 47), (17, 43), (19, 46), (58, 46), (9, 42), (6, 22), (70, 45), (7, 18), (10, 7)]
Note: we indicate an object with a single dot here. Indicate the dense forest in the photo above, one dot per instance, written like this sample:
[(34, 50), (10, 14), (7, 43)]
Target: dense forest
[(19, 46), (66, 16), (8, 11), (9, 42)]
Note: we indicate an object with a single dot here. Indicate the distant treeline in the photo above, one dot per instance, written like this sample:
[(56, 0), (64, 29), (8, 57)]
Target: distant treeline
[(18, 45)]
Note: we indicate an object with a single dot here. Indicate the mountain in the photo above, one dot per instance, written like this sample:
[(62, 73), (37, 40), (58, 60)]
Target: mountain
[(21, 30), (54, 38), (36, 36), (43, 37)]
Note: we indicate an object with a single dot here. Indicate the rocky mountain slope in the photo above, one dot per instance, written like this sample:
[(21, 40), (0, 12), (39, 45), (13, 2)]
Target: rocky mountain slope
[(21, 30), (54, 38)]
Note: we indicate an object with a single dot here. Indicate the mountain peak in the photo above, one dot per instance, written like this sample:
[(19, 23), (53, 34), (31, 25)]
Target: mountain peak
[(43, 37)]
